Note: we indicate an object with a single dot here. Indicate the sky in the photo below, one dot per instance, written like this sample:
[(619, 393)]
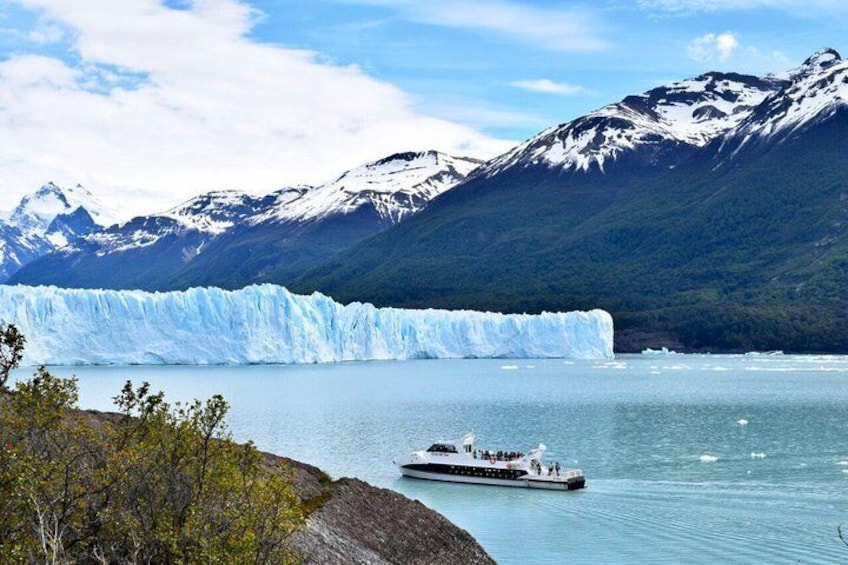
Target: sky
[(148, 103)]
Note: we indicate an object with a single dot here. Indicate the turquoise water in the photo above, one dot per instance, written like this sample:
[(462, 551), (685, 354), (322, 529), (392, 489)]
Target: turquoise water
[(672, 474)]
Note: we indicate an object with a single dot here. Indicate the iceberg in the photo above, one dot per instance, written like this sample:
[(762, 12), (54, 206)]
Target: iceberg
[(268, 324)]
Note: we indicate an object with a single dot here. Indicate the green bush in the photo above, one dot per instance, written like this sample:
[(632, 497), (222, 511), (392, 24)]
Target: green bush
[(154, 483)]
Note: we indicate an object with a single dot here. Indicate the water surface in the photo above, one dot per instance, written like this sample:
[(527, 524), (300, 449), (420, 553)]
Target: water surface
[(689, 459)]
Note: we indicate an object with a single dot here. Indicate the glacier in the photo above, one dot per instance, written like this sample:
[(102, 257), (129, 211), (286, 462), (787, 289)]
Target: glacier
[(267, 324)]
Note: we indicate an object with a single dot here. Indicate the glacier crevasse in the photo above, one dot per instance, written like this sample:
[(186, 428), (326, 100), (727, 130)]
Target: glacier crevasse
[(269, 324)]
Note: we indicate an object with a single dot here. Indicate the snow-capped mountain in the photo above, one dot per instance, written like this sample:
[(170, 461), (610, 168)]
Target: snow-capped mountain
[(656, 124), (45, 220), (711, 212), (228, 233), (394, 187), (664, 125), (52, 212), (197, 220), (216, 212), (813, 92)]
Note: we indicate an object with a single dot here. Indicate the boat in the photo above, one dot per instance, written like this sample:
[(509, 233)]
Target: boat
[(458, 461)]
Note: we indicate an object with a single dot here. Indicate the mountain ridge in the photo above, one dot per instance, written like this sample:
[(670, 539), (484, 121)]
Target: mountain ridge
[(251, 236), (724, 245), (706, 213)]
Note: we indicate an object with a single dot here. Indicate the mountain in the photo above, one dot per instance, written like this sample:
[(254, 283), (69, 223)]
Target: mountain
[(44, 221), (812, 93), (231, 239), (707, 214), (656, 129), (307, 227), (17, 249)]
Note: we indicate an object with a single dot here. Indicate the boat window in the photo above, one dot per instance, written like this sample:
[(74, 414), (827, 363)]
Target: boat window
[(442, 448)]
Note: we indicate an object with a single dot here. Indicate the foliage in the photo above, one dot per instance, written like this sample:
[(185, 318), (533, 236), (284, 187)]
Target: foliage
[(11, 351), (153, 484)]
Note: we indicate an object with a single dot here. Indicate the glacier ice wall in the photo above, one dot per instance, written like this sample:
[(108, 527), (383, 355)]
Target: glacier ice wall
[(268, 324)]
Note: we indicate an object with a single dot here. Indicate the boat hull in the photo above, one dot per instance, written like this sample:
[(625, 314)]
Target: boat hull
[(527, 481)]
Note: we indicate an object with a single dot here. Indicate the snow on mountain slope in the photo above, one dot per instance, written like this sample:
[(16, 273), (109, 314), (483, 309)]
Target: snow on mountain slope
[(215, 212), (690, 112), (396, 186), (268, 324), (37, 211), (17, 249), (44, 221), (815, 90), (209, 215)]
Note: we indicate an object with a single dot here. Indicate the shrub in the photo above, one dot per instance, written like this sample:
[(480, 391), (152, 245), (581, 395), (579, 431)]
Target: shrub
[(152, 484)]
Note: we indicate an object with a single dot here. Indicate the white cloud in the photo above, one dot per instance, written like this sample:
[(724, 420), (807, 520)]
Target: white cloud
[(547, 86), (554, 29), (713, 47), (802, 7), (160, 105)]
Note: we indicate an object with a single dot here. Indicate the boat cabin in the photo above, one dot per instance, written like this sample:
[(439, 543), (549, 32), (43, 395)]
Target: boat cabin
[(442, 448)]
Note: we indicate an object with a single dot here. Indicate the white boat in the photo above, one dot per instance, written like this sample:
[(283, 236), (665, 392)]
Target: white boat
[(458, 461)]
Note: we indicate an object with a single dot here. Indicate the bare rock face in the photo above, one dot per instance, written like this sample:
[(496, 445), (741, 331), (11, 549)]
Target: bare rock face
[(349, 521), (359, 523)]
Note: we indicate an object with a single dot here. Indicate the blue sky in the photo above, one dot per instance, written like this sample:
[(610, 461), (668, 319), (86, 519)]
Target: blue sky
[(150, 102)]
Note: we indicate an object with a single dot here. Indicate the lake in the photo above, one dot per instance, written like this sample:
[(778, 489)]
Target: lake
[(688, 459)]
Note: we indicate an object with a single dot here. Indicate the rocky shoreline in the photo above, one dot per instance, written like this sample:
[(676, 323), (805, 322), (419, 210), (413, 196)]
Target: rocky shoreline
[(350, 521)]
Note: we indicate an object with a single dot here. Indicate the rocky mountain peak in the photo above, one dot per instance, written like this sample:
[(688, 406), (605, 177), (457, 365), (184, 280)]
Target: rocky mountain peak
[(37, 211), (684, 114), (822, 59), (394, 186), (407, 156), (816, 89)]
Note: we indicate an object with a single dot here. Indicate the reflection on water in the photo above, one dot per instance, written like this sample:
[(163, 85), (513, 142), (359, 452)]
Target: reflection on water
[(674, 476)]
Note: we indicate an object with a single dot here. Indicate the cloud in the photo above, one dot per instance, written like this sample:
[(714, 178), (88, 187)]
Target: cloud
[(712, 47), (553, 29), (547, 86), (159, 104), (802, 7)]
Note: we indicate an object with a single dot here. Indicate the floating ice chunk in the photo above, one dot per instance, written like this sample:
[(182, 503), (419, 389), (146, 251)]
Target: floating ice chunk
[(611, 365), (742, 422), (758, 455), (269, 324), (707, 458), (509, 367), (662, 351), (843, 463)]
